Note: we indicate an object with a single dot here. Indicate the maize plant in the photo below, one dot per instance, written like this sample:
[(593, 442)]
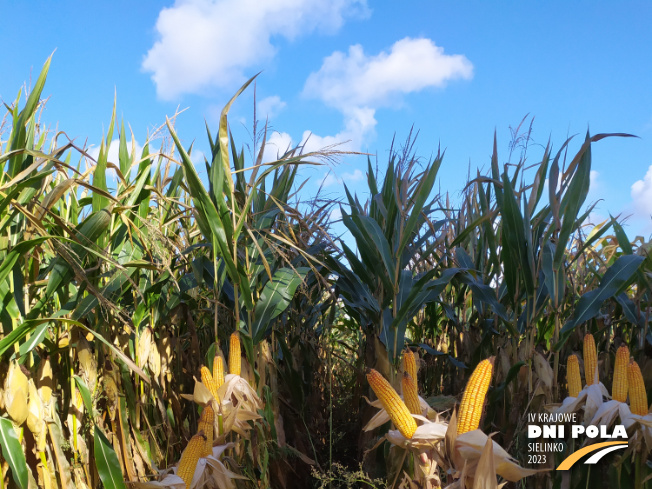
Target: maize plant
[(126, 281)]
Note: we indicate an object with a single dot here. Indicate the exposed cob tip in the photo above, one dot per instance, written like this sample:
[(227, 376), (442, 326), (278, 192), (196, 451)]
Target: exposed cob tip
[(411, 393), (208, 380), (620, 381), (573, 376), (474, 396), (396, 409), (410, 364), (637, 394), (590, 360), (190, 457), (234, 354), (206, 428), (218, 371)]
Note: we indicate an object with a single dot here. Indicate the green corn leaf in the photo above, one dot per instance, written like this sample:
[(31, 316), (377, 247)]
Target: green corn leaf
[(107, 463), (12, 452), (35, 339), (275, 298), (615, 279), (85, 394), (426, 184)]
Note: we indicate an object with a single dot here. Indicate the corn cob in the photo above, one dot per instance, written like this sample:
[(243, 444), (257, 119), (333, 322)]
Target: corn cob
[(395, 407), (206, 426), (190, 457), (411, 394), (410, 365), (590, 360), (620, 383), (474, 396), (234, 354), (637, 394), (573, 376), (208, 381), (218, 371)]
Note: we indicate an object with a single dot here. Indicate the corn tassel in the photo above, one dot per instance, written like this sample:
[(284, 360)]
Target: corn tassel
[(190, 457), (573, 376), (218, 371), (474, 396), (637, 394), (620, 381), (590, 361), (393, 404), (410, 364), (234, 354), (206, 427), (411, 394), (208, 381)]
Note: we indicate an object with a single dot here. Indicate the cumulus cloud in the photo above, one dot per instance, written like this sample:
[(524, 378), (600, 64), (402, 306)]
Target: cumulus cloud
[(642, 194), (357, 84), (114, 151), (359, 124), (212, 43), (269, 107), (276, 146), (331, 179), (355, 79)]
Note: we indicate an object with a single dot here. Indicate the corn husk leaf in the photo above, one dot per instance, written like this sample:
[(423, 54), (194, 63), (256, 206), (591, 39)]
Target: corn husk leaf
[(485, 473), (36, 414), (426, 435), (238, 390), (16, 393), (469, 447), (381, 417)]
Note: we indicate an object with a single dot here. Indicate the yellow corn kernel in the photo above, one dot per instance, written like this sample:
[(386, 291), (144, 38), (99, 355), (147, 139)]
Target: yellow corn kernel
[(474, 396), (590, 361), (410, 364), (573, 376), (396, 409), (411, 394), (218, 371), (620, 383), (206, 427), (208, 381), (637, 394), (190, 457), (234, 354)]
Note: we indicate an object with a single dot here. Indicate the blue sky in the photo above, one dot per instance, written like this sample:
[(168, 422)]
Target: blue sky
[(349, 70)]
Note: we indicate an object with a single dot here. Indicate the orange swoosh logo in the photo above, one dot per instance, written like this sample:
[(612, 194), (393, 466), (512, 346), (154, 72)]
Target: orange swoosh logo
[(574, 457)]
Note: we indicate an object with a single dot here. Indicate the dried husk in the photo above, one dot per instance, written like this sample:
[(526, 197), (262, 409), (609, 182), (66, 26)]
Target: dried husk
[(87, 363), (154, 360), (36, 413), (144, 346), (16, 394), (45, 380)]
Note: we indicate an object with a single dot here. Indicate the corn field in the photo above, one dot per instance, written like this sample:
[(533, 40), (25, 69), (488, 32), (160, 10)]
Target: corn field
[(165, 329)]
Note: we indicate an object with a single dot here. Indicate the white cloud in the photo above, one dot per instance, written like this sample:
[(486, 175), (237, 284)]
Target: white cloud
[(357, 80), (331, 179), (276, 146), (269, 107), (357, 84), (212, 43), (642, 194), (360, 123), (114, 151)]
